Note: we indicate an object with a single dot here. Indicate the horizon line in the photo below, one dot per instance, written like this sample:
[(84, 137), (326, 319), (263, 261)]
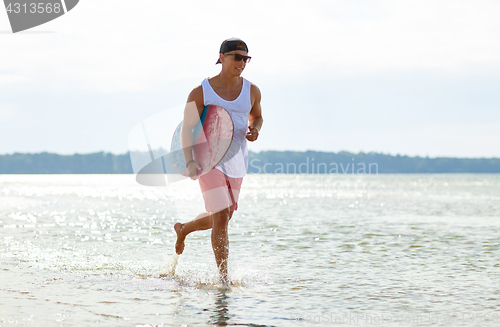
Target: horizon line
[(342, 152)]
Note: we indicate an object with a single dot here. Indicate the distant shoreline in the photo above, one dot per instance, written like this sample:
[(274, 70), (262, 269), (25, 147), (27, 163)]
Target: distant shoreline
[(264, 162)]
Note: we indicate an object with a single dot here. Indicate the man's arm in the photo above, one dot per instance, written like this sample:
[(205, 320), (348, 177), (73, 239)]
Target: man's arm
[(192, 113), (255, 119)]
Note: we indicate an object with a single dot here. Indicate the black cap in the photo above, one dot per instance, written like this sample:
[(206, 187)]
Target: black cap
[(231, 45)]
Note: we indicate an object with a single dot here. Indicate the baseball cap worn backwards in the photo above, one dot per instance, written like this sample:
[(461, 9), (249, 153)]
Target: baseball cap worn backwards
[(232, 44)]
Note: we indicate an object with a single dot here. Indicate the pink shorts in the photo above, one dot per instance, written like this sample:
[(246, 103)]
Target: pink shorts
[(220, 191)]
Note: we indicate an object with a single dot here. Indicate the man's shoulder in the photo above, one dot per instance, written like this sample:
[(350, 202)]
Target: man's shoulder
[(196, 95), (254, 89), (197, 90), (199, 87), (253, 86)]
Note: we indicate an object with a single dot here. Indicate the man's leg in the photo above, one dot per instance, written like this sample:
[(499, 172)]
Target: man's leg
[(203, 221), (220, 240)]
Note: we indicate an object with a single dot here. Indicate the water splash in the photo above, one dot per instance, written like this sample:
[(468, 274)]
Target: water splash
[(168, 269)]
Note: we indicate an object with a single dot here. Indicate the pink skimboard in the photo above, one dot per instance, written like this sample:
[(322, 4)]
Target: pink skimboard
[(212, 138)]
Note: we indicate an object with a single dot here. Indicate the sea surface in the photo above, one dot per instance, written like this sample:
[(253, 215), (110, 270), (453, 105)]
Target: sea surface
[(305, 250)]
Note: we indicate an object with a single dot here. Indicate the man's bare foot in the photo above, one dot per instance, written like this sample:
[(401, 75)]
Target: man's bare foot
[(224, 279), (179, 244)]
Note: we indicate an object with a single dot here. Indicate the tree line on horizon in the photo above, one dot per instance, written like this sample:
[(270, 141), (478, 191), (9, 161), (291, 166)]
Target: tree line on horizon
[(271, 162)]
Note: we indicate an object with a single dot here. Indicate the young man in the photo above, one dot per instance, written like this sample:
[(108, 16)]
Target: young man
[(221, 186)]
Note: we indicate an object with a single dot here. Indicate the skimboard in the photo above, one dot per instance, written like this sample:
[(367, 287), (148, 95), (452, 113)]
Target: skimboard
[(212, 138)]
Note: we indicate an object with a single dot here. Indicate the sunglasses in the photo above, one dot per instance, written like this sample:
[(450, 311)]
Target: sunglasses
[(238, 57)]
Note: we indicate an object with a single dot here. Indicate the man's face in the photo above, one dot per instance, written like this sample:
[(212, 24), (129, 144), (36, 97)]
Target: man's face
[(232, 65)]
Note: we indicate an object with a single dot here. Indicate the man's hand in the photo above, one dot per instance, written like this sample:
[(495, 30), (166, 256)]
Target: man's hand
[(253, 134), (192, 169)]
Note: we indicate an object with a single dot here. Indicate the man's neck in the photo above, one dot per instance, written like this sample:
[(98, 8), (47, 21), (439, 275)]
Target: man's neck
[(226, 80)]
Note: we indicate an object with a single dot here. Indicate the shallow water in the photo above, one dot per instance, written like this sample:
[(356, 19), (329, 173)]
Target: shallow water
[(304, 250)]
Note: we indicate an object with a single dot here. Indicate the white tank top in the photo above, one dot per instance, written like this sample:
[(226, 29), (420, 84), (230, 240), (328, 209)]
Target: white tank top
[(235, 162)]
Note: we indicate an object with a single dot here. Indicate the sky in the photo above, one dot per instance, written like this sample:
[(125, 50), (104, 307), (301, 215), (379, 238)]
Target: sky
[(417, 78)]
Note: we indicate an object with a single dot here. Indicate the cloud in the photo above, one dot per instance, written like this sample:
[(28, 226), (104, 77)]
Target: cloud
[(112, 46), (452, 36), (9, 79), (350, 59), (7, 112)]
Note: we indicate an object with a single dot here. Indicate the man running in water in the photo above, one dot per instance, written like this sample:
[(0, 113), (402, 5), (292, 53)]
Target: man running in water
[(221, 186)]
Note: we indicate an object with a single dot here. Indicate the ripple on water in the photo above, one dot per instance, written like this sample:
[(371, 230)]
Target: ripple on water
[(101, 247)]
